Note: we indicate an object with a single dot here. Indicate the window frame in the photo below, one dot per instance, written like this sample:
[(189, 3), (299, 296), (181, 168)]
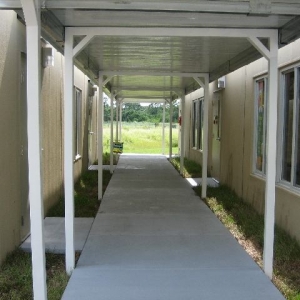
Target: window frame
[(197, 123), (255, 170), (77, 122), (292, 184), (194, 120)]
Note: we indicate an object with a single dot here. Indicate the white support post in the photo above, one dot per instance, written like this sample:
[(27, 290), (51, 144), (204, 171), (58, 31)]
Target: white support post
[(271, 158), (100, 137), (163, 128), (171, 125), (271, 146), (33, 31), (205, 137), (69, 152), (117, 120), (120, 129), (111, 133), (182, 126)]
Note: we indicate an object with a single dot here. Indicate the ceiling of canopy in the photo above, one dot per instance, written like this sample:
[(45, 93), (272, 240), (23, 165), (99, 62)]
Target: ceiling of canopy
[(139, 60)]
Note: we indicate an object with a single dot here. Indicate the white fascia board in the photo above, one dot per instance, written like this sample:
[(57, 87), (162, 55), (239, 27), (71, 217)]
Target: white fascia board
[(286, 9), (207, 6), (174, 32), (217, 6)]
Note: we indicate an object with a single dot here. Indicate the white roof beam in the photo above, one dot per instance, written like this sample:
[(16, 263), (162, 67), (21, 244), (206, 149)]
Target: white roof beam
[(200, 82), (141, 97), (150, 73), (130, 100), (260, 46), (174, 32), (150, 89), (83, 43), (108, 79)]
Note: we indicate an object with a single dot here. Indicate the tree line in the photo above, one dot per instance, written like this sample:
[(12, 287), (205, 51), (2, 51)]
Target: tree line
[(134, 112)]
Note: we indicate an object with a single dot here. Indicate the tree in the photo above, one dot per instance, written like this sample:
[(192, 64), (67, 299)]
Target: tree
[(134, 112)]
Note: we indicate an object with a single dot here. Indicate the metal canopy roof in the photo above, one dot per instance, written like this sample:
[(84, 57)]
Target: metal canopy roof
[(146, 56)]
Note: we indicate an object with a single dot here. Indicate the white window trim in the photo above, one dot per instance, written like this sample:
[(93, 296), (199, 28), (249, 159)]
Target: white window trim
[(78, 122), (194, 142), (281, 182), (255, 171), (195, 123)]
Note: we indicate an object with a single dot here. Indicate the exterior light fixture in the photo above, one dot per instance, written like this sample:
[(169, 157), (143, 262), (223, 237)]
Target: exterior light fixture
[(48, 57)]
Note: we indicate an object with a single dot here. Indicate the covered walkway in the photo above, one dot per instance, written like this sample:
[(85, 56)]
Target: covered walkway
[(153, 238)]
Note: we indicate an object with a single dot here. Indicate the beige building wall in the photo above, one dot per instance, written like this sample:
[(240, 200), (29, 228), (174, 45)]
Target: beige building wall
[(233, 127), (81, 82), (12, 37), (13, 43), (237, 134), (52, 131), (52, 126), (287, 201)]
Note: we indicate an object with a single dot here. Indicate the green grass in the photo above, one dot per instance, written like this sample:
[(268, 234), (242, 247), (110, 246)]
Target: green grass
[(106, 159), (16, 272), (248, 228), (16, 276), (86, 196), (191, 169), (142, 138)]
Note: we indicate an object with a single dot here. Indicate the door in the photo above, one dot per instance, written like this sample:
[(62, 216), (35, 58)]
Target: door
[(216, 137), (24, 188)]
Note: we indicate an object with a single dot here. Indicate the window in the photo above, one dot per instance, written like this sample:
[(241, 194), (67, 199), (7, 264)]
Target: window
[(197, 119), (194, 127), (290, 141), (260, 126), (77, 122)]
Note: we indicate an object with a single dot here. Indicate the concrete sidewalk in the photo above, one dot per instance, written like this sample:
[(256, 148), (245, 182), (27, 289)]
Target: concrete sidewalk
[(153, 238)]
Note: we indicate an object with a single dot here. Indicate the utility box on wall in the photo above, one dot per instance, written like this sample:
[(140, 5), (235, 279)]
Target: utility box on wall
[(221, 83)]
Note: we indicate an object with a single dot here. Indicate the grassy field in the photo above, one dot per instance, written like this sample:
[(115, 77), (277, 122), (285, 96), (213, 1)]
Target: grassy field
[(142, 138)]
